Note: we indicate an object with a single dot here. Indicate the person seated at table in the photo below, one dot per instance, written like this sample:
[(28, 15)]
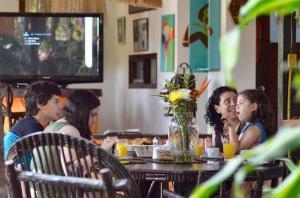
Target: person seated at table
[(254, 109), (222, 106), (79, 114), (42, 104)]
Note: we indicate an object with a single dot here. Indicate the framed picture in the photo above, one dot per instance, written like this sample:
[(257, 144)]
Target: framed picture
[(143, 71), (140, 35), (167, 46), (121, 27)]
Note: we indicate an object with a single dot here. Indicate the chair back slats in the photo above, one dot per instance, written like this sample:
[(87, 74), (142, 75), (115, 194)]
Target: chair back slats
[(64, 156), (13, 184)]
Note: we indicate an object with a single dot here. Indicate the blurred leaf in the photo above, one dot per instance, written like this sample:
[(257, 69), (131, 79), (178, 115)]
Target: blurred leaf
[(296, 85), (230, 47), (290, 164), (209, 187), (290, 187), (255, 8), (239, 178)]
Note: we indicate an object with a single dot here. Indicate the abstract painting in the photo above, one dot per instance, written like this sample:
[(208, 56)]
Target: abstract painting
[(204, 33), (199, 33), (214, 22), (167, 49)]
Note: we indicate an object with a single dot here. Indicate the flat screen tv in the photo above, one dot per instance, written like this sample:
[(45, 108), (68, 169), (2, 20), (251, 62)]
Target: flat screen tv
[(65, 48)]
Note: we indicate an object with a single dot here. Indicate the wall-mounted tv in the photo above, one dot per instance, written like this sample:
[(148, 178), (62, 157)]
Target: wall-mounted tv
[(65, 48)]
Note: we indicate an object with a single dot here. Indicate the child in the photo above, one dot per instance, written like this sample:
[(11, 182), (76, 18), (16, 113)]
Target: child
[(42, 102), (254, 109)]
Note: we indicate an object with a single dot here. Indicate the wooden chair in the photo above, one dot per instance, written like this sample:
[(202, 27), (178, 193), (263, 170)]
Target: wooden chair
[(101, 187), (62, 155)]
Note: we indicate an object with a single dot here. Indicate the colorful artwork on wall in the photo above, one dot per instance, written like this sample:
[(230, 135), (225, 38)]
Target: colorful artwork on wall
[(214, 39), (167, 43), (204, 34), (199, 32)]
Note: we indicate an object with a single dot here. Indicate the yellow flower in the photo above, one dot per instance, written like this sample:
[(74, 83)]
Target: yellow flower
[(181, 94), (174, 96)]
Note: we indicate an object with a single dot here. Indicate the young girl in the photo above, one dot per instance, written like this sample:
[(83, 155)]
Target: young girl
[(254, 109)]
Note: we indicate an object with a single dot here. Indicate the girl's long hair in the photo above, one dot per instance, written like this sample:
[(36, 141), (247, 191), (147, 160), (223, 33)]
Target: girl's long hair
[(77, 110), (264, 112)]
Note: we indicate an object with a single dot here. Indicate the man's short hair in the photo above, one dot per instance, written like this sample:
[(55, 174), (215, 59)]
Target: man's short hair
[(39, 92)]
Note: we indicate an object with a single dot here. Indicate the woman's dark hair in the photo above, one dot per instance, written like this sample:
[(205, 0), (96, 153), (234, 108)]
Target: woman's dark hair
[(39, 92), (212, 117), (264, 112), (77, 110)]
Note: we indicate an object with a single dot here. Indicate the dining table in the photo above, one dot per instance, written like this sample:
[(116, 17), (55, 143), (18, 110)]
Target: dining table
[(184, 176)]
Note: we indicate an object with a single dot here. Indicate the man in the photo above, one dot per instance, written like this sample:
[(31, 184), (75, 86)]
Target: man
[(42, 103)]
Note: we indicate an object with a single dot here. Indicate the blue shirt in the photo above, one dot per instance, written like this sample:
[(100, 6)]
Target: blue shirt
[(22, 128), (260, 126)]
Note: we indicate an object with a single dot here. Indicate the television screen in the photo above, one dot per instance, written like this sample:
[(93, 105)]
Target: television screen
[(65, 48)]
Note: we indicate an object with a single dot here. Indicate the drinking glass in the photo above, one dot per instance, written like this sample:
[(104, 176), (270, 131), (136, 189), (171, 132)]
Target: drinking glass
[(122, 147), (197, 145), (228, 150)]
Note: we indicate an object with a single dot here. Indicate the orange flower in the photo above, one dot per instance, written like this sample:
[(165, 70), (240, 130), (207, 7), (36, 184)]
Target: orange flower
[(196, 93)]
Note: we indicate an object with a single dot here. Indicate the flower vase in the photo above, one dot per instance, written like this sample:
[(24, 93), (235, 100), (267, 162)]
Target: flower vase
[(182, 129)]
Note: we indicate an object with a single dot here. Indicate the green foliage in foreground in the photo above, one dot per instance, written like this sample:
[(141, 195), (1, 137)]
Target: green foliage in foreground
[(229, 45), (287, 138)]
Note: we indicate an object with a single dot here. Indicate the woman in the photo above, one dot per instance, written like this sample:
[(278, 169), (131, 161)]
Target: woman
[(80, 113), (222, 106)]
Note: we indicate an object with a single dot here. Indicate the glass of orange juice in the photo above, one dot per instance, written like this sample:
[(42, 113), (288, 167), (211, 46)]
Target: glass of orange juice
[(197, 145), (228, 150), (122, 147)]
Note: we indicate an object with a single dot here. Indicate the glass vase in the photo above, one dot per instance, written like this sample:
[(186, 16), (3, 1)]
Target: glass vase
[(182, 129)]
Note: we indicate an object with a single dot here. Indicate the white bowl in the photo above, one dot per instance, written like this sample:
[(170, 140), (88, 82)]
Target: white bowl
[(141, 150)]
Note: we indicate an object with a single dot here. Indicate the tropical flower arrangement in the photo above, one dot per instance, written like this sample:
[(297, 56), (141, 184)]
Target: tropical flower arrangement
[(182, 97)]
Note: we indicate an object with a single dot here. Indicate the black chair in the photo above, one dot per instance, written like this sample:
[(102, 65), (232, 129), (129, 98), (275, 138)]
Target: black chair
[(62, 155), (266, 172)]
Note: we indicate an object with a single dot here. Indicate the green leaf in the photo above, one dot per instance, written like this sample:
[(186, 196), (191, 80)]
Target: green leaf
[(230, 47), (290, 187), (255, 8), (289, 163), (296, 85), (209, 187)]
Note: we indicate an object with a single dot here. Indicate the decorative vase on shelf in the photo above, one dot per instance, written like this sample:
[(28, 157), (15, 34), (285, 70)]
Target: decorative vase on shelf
[(182, 129)]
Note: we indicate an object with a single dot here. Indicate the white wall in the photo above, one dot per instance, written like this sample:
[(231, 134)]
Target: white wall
[(9, 6), (124, 108)]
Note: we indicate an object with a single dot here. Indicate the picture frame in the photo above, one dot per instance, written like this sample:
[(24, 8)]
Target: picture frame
[(143, 71), (121, 28), (140, 34)]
